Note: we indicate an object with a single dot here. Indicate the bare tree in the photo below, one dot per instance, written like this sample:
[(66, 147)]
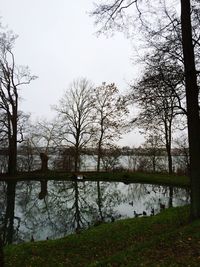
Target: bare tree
[(153, 148), (158, 97), (110, 157), (12, 77), (43, 135), (25, 160), (76, 113), (182, 155), (111, 117)]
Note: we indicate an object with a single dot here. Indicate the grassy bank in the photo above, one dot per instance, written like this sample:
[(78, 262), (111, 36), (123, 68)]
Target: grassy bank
[(166, 239)]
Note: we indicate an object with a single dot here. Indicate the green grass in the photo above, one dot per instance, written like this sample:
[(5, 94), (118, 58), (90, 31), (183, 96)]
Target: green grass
[(167, 239)]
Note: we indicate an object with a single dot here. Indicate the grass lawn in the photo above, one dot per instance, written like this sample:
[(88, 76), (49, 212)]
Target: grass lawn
[(167, 239)]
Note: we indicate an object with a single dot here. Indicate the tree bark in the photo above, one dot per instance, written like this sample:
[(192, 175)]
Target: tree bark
[(76, 159), (12, 139), (12, 156), (169, 157), (192, 107), (44, 160)]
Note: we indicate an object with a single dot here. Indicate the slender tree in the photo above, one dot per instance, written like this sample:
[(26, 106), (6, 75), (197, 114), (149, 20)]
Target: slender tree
[(111, 117), (153, 148)]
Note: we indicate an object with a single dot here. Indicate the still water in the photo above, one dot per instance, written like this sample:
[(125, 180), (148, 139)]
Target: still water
[(42, 210)]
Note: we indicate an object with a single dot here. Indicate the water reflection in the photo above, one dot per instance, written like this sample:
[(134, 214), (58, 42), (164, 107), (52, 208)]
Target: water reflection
[(44, 209)]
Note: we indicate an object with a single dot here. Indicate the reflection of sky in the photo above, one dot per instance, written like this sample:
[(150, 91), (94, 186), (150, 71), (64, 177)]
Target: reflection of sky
[(52, 217), (142, 197)]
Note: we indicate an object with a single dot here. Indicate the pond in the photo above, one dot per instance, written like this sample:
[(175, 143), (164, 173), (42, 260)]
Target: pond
[(42, 210)]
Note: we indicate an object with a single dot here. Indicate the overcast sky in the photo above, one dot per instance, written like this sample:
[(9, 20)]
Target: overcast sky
[(57, 41)]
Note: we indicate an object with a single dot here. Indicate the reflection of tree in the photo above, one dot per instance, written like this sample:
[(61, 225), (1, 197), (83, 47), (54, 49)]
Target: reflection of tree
[(64, 210), (154, 196), (2, 207), (110, 157), (107, 197), (71, 206), (43, 189), (68, 207), (99, 200), (8, 224)]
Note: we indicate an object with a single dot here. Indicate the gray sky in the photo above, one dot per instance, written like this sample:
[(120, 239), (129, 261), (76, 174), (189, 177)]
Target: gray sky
[(57, 41)]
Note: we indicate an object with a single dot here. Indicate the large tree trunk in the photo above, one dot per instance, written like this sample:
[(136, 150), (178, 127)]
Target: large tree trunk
[(192, 108), (168, 142), (12, 156), (169, 157), (12, 139), (44, 162), (76, 159)]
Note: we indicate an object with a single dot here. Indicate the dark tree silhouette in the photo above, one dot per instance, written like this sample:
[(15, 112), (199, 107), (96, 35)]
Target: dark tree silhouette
[(12, 77), (111, 117), (114, 13), (76, 112)]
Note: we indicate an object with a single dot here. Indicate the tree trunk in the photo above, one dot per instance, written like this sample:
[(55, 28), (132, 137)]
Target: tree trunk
[(192, 108), (168, 146), (76, 159), (99, 152), (12, 156), (44, 159), (12, 139), (98, 161), (154, 163), (169, 157), (98, 157)]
